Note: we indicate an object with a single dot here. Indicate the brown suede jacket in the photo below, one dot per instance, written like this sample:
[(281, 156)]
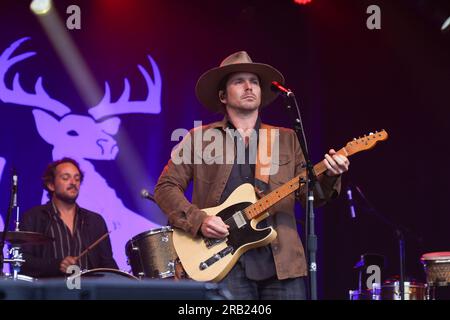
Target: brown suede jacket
[(209, 179)]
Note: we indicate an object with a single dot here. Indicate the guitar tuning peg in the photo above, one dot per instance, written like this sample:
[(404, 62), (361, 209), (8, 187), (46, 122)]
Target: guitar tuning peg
[(371, 133), (354, 139)]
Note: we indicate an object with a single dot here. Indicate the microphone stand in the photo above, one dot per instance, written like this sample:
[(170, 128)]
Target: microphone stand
[(12, 204), (400, 234), (311, 184)]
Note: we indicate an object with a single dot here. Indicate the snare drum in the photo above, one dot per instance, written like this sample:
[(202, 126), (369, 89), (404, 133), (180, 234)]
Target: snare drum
[(151, 254), (391, 291), (437, 268)]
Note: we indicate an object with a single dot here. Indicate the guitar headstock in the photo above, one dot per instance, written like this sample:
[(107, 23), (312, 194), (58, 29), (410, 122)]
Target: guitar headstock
[(365, 143)]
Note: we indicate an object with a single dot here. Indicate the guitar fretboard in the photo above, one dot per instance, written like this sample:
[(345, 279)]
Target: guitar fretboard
[(262, 205)]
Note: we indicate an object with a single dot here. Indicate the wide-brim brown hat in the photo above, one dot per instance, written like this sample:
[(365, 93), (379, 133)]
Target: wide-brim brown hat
[(207, 88)]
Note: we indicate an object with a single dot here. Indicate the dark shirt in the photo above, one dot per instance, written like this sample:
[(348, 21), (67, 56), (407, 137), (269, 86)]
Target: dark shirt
[(258, 263), (44, 260), (65, 243)]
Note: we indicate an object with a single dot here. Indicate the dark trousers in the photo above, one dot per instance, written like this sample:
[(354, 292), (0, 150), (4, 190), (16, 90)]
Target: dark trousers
[(243, 288)]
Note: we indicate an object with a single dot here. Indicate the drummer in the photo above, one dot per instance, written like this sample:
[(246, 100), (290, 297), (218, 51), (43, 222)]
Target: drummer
[(73, 228)]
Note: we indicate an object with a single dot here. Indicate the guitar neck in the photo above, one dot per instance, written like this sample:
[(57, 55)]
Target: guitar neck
[(262, 205)]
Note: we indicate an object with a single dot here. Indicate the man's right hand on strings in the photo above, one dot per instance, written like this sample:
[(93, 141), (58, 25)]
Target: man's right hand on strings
[(214, 227)]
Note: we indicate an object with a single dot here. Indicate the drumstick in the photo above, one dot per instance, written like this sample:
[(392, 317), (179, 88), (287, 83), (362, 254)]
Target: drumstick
[(96, 242)]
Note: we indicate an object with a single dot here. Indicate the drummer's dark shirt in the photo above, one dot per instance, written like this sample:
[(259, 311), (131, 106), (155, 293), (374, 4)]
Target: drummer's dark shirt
[(44, 260)]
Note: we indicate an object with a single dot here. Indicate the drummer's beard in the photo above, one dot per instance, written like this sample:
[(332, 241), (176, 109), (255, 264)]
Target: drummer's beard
[(66, 197)]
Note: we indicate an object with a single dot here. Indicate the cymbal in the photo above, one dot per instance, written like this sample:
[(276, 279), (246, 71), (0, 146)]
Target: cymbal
[(26, 237)]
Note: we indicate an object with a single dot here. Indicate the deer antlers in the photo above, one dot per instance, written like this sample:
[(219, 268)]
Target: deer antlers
[(17, 95), (152, 104), (105, 108)]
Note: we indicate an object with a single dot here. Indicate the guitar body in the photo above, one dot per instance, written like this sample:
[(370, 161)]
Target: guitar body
[(206, 259)]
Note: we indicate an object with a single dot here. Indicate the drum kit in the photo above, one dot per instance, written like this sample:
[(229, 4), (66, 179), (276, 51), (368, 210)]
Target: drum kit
[(437, 287), (150, 255)]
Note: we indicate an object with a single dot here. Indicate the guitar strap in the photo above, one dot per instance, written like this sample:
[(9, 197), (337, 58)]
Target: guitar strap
[(266, 148)]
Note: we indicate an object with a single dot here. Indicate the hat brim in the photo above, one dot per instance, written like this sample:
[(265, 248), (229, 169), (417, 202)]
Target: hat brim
[(207, 88)]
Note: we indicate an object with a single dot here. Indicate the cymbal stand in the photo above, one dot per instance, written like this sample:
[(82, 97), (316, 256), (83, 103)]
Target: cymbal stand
[(12, 204), (17, 258), (16, 261)]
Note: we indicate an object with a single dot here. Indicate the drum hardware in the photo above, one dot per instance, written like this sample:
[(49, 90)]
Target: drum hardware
[(140, 274), (3, 236), (16, 261), (366, 266), (20, 277), (438, 292), (400, 231), (170, 270), (18, 238), (391, 291), (135, 250)]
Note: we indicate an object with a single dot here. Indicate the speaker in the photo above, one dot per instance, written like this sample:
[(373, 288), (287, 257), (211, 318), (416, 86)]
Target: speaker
[(110, 289), (16, 289)]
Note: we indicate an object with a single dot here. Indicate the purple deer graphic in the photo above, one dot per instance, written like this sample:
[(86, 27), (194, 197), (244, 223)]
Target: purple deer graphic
[(85, 138)]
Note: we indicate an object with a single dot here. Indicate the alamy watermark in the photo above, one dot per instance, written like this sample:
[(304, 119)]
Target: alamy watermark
[(74, 280), (373, 22), (204, 145), (74, 20), (375, 276)]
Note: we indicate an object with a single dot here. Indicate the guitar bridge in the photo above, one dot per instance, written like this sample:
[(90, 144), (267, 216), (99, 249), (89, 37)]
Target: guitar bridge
[(219, 255), (210, 242)]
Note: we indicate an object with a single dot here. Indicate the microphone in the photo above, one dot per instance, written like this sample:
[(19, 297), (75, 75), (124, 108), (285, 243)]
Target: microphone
[(147, 195), (350, 202), (277, 87), (14, 187), (15, 182)]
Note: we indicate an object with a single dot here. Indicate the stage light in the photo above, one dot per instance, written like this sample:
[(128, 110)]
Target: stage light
[(302, 1), (41, 6), (436, 13), (446, 25)]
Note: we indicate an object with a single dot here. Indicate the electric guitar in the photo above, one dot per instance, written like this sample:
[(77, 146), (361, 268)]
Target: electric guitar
[(207, 259)]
